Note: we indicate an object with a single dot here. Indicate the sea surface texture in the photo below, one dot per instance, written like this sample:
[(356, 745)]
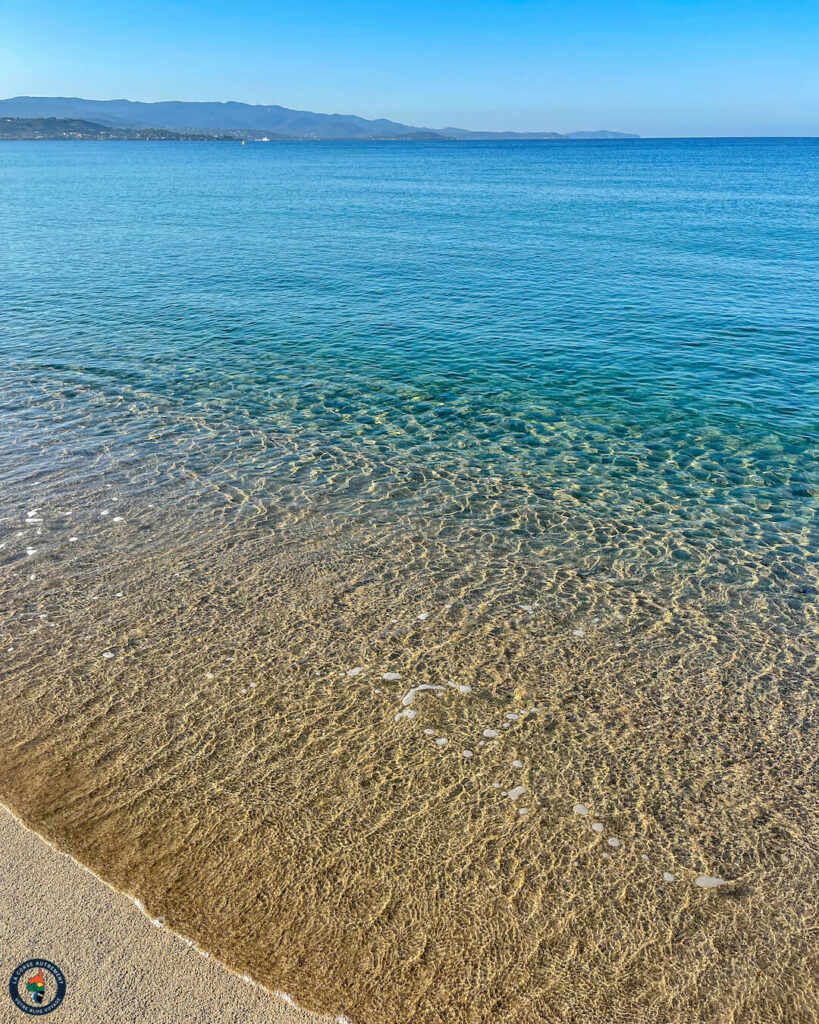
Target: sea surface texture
[(409, 563)]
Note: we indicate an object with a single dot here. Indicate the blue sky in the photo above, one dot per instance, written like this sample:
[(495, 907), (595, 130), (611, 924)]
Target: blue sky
[(657, 67)]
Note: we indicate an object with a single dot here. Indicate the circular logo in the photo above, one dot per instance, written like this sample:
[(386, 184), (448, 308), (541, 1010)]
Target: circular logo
[(37, 987)]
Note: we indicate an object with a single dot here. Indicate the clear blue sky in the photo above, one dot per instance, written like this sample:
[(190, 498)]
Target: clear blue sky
[(657, 67)]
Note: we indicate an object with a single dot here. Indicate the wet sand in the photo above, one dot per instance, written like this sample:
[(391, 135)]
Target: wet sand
[(118, 966)]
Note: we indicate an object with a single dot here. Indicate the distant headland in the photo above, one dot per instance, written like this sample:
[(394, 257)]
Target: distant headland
[(61, 117)]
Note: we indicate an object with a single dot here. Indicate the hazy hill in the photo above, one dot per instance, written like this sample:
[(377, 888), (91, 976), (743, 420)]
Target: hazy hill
[(246, 118), (462, 133), (23, 128)]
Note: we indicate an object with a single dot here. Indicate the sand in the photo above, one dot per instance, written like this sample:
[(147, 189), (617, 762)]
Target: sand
[(118, 966)]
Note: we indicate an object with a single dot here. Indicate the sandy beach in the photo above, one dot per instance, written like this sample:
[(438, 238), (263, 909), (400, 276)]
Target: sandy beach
[(118, 966)]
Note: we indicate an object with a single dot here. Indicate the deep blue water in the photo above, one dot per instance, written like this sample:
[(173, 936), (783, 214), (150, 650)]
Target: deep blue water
[(654, 271)]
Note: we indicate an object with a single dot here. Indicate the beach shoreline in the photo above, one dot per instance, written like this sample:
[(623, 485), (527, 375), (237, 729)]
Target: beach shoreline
[(119, 964), (413, 601)]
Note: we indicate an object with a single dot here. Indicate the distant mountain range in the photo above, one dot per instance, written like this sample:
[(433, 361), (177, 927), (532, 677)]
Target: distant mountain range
[(245, 120)]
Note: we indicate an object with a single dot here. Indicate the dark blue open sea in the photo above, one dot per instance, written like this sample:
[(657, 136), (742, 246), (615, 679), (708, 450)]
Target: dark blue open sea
[(408, 563)]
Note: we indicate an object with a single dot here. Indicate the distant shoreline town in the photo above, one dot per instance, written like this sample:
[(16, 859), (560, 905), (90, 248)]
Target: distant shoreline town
[(33, 129), (60, 117)]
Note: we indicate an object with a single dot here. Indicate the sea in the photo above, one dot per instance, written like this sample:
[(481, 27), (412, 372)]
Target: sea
[(408, 563)]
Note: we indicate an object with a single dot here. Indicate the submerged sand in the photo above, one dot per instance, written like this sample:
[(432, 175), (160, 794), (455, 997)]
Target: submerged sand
[(118, 966), (210, 709)]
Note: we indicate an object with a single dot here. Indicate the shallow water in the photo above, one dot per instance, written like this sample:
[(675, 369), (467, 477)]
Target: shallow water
[(528, 429)]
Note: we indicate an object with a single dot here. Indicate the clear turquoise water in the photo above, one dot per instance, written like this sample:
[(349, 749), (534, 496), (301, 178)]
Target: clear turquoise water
[(335, 386), (492, 306)]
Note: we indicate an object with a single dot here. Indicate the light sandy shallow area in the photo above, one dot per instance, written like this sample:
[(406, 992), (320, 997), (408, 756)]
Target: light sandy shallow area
[(118, 966)]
